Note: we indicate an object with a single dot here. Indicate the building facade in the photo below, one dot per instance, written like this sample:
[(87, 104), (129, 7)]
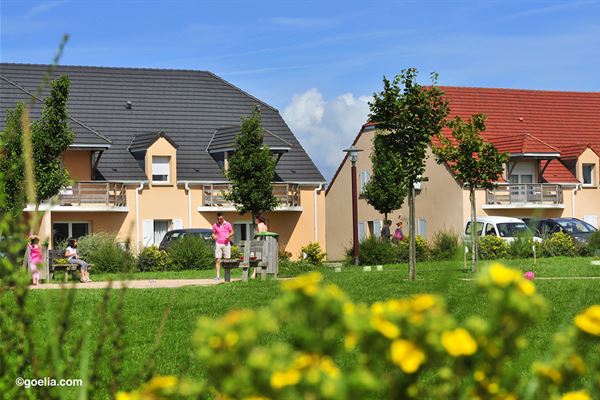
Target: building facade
[(151, 151), (553, 139)]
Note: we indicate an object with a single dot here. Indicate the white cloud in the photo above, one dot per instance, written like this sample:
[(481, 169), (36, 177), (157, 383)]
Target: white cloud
[(43, 8), (325, 128)]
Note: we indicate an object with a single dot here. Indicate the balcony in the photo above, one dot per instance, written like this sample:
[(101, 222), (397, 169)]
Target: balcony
[(531, 195), (213, 197)]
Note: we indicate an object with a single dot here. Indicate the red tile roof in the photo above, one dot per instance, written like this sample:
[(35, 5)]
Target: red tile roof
[(558, 119), (520, 144), (554, 171)]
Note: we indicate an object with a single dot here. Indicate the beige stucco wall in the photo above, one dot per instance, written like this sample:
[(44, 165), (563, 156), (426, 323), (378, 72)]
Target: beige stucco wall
[(162, 147), (438, 202), (79, 164)]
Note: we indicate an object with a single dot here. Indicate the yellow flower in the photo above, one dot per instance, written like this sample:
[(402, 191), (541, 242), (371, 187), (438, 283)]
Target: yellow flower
[(377, 308), (479, 375), (407, 355), (231, 338), (303, 361), (548, 372), (303, 281), (159, 383), (589, 320), (329, 368), (286, 378), (526, 287), (459, 342), (350, 341), (256, 398), (386, 328), (493, 388), (126, 396), (349, 309), (214, 342), (579, 395), (577, 363), (503, 276), (422, 302)]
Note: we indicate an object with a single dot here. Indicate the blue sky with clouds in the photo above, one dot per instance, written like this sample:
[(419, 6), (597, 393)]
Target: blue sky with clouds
[(319, 61)]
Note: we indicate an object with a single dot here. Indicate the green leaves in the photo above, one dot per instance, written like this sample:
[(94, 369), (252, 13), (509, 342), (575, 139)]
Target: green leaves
[(251, 169)]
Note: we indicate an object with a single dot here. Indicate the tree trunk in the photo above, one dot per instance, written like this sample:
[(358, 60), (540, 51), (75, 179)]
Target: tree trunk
[(412, 253), (473, 230)]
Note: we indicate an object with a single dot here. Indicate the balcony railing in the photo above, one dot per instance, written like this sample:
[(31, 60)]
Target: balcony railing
[(213, 195), (94, 193), (531, 194)]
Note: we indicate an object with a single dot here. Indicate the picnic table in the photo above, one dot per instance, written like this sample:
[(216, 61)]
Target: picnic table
[(258, 254), (57, 262)]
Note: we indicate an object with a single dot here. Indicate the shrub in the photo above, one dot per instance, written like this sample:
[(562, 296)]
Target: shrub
[(559, 244), (373, 250), (288, 268), (423, 251), (521, 247), (102, 250), (594, 243), (152, 259), (491, 247), (191, 252), (313, 253), (445, 245), (284, 255), (236, 252)]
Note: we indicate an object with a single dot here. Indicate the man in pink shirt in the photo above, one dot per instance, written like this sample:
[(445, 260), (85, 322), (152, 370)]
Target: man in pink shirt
[(222, 233)]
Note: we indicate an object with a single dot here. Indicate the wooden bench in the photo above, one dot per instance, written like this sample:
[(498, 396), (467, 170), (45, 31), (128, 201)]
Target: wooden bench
[(253, 251), (65, 267)]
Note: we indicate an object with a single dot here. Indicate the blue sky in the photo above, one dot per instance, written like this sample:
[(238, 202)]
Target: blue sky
[(319, 61)]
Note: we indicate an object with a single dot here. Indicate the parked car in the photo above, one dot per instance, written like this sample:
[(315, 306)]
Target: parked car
[(579, 230), (176, 234), (507, 228)]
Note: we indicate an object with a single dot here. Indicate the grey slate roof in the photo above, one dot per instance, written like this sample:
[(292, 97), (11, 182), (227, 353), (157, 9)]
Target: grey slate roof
[(143, 141), (224, 139), (188, 106)]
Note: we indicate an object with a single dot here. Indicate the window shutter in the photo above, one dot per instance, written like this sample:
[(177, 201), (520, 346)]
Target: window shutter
[(160, 168), (147, 232), (361, 231), (377, 228), (177, 224)]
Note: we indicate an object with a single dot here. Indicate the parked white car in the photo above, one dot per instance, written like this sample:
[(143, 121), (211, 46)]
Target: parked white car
[(507, 228)]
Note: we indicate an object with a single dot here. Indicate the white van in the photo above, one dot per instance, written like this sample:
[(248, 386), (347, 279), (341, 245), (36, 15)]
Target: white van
[(507, 228)]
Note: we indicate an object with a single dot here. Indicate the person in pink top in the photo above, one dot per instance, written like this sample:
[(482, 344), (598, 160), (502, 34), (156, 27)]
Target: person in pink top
[(35, 258), (222, 233)]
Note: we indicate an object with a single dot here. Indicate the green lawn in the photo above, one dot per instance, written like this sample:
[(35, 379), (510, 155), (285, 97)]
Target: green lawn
[(144, 309)]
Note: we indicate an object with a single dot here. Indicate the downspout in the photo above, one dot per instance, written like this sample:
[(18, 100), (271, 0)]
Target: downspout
[(189, 194), (137, 217), (315, 211), (577, 187)]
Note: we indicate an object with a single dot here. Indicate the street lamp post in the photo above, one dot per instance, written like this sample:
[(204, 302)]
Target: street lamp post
[(353, 156)]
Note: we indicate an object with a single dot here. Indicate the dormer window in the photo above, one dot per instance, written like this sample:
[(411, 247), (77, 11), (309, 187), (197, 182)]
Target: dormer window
[(160, 169), (588, 173)]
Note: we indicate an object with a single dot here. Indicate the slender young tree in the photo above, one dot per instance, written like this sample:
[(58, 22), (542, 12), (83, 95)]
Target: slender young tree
[(251, 169), (408, 115), (472, 161), (383, 191), (51, 135)]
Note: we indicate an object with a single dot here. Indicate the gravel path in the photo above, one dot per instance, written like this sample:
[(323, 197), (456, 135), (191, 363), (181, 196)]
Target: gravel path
[(133, 284)]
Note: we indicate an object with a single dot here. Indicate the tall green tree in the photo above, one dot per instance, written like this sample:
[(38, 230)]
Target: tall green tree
[(383, 191), (409, 115), (251, 169), (51, 135), (472, 161)]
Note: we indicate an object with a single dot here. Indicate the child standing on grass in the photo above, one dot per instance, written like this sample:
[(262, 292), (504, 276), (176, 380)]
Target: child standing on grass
[(35, 258)]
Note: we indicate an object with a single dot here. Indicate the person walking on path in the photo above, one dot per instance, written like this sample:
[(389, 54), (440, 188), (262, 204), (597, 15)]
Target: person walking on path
[(35, 258), (222, 234), (386, 230), (398, 234), (73, 258)]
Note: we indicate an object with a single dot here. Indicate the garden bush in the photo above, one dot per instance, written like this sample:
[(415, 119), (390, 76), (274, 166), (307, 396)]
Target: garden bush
[(445, 245), (373, 251), (152, 259), (594, 243), (313, 253), (522, 247), (492, 247), (559, 244), (288, 268), (191, 252), (406, 348), (102, 250), (423, 251)]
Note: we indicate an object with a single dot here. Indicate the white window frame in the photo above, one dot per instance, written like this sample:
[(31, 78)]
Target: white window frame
[(158, 167), (592, 174), (364, 177), (169, 227), (248, 225)]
